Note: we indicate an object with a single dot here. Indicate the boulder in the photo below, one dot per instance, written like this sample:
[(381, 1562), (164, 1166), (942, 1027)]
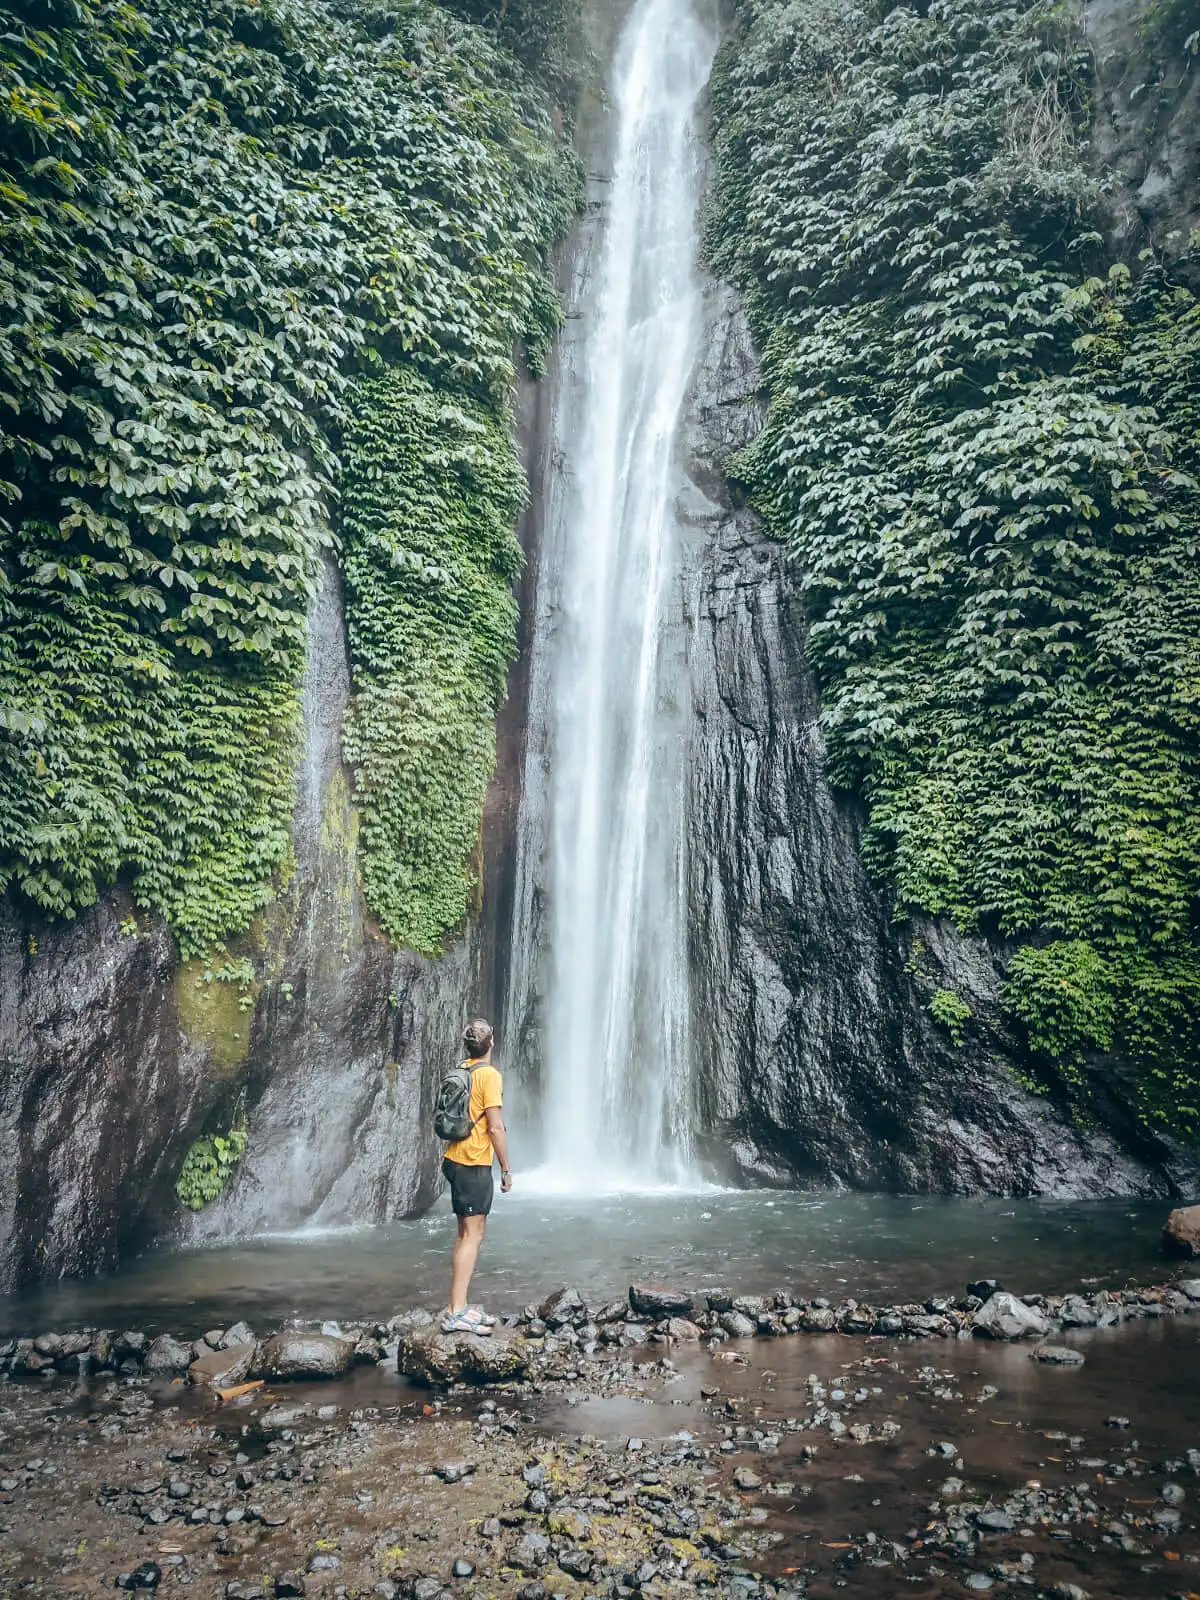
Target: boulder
[(681, 1330), (654, 1300), (613, 1311), (437, 1358), (1057, 1355), (532, 1553), (240, 1333), (405, 1321), (1077, 1311), (222, 1369), (565, 1306), (303, 1355), (1003, 1316), (737, 1324), (1181, 1236), (167, 1355)]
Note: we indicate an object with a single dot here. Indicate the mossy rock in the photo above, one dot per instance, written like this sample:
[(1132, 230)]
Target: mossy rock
[(213, 1012)]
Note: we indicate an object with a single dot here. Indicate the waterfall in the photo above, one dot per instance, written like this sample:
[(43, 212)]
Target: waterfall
[(599, 991)]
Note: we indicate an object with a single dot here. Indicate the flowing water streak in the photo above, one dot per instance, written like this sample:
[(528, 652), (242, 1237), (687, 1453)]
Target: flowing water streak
[(604, 777)]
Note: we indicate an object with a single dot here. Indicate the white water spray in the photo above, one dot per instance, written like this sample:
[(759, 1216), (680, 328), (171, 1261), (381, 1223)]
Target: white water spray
[(602, 823)]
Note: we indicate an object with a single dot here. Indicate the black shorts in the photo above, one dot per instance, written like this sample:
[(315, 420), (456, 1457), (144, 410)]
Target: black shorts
[(472, 1189)]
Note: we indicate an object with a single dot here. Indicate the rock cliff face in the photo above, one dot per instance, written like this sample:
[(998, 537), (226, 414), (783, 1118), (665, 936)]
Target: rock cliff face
[(114, 1058), (818, 1059), (348, 1035), (1145, 113), (100, 1091)]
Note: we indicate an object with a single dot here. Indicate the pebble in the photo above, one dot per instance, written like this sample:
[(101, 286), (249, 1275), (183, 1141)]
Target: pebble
[(464, 1568), (147, 1576)]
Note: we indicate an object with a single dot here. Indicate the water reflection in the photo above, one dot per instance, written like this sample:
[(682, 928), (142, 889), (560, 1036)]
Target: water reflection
[(877, 1247)]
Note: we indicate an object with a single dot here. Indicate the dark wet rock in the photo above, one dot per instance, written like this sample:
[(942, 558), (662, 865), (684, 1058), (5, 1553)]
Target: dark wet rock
[(983, 1289), (407, 1321), (1057, 1355), (222, 1368), (613, 1311), (564, 1306), (438, 1358), (1191, 1288), (655, 1301), (131, 1343), (240, 1333), (994, 1521), (147, 1576), (737, 1325), (828, 1067), (577, 1563), (289, 1585), (1076, 1311), (1003, 1316), (681, 1330), (303, 1355), (1181, 1235)]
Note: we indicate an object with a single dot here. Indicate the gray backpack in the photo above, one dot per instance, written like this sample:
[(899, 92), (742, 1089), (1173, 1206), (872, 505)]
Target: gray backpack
[(452, 1112)]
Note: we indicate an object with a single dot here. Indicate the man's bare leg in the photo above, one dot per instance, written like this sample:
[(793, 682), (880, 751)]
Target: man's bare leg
[(466, 1254)]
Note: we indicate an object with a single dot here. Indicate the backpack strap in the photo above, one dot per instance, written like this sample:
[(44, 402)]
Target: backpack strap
[(470, 1085)]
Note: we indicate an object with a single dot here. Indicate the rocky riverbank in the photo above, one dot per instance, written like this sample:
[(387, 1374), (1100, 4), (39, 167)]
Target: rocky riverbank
[(563, 1336), (753, 1469), (653, 1446)]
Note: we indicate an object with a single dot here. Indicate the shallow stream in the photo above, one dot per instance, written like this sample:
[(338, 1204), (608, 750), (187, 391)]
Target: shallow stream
[(881, 1248)]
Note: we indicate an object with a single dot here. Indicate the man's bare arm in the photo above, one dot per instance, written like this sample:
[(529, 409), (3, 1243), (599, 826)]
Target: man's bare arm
[(499, 1138)]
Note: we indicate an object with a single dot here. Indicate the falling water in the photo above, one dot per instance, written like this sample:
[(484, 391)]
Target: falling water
[(602, 838)]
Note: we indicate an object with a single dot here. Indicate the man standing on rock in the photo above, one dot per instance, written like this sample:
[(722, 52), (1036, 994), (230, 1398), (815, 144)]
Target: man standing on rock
[(468, 1170)]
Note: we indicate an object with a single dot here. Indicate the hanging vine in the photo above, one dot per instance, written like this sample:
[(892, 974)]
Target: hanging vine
[(215, 218)]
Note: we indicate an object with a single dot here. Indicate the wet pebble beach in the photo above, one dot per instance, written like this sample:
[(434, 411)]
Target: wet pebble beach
[(740, 1445)]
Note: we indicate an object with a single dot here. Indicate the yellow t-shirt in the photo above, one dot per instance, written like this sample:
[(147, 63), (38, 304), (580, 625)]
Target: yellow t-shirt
[(476, 1149)]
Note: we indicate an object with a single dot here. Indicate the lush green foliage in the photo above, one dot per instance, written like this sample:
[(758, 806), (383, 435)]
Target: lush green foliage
[(981, 449), (214, 217), (950, 1009), (545, 34), (432, 489), (208, 1167)]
